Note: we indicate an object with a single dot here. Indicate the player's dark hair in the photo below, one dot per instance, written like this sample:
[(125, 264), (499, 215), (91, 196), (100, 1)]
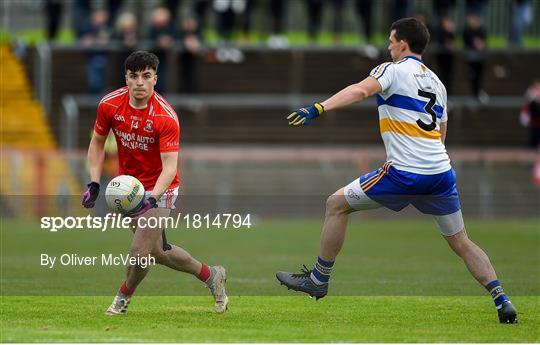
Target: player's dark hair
[(412, 31), (140, 60)]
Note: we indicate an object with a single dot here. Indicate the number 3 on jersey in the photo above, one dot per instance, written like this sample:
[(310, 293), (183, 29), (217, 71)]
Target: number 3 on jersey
[(429, 109)]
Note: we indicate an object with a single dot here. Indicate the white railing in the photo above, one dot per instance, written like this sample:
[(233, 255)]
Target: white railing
[(42, 78)]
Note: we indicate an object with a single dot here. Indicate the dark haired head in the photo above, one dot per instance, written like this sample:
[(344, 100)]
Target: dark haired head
[(412, 31), (140, 60)]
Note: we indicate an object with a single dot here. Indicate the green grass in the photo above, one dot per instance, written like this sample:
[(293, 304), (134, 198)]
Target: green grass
[(385, 257), (267, 319), (381, 259)]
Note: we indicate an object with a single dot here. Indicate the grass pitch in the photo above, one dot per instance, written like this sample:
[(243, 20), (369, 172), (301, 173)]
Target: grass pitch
[(395, 281), (267, 319)]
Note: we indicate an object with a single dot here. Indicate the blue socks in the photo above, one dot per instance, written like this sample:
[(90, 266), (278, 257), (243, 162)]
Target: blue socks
[(497, 293), (321, 272)]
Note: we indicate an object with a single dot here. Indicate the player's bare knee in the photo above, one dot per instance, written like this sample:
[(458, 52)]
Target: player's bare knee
[(140, 251), (336, 205), (460, 242)]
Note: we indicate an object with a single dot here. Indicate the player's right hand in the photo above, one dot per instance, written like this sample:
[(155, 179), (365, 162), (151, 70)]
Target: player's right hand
[(147, 205), (91, 194), (303, 116)]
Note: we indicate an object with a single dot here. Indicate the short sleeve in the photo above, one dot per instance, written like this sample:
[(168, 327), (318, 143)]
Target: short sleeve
[(103, 120), (169, 136), (384, 73), (444, 117)]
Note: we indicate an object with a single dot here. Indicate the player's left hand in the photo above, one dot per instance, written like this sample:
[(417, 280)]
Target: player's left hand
[(147, 204), (90, 195), (303, 116)]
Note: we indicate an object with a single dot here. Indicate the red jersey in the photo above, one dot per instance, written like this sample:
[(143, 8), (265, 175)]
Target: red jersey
[(141, 134)]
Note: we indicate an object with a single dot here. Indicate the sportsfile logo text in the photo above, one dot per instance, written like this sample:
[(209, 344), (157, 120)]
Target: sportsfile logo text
[(117, 221)]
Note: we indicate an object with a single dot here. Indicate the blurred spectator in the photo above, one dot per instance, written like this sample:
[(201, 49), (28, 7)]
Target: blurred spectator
[(97, 35), (191, 43), (314, 10), (400, 9), (364, 9), (81, 14), (474, 40), (475, 7), (98, 32), (247, 20), (162, 31), (172, 6), (445, 37), (337, 26), (163, 36), (125, 31), (227, 12), (198, 12), (530, 113), (53, 11), (126, 34), (82, 10), (442, 8), (278, 15), (521, 18), (113, 7)]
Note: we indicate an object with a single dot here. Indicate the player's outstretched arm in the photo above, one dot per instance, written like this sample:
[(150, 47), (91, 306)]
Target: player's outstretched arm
[(349, 95), (96, 155), (352, 94)]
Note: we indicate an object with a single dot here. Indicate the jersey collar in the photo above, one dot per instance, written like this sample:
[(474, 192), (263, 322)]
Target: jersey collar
[(414, 58)]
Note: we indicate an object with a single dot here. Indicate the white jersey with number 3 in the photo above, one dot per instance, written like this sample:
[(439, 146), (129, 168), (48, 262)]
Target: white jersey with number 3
[(412, 105)]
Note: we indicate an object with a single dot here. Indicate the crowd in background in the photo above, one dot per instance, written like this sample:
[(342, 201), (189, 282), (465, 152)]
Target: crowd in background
[(169, 27)]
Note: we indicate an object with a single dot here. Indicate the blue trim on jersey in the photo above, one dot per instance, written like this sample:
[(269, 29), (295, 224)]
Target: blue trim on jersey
[(415, 58), (376, 69), (384, 70), (431, 194), (408, 103)]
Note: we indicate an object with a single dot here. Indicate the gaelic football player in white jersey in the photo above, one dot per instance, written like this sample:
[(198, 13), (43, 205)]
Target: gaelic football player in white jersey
[(412, 109)]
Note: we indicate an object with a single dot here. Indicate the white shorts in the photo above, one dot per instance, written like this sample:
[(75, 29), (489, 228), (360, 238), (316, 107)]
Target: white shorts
[(449, 224), (168, 198)]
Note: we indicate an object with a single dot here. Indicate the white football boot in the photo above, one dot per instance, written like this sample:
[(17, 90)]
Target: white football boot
[(119, 305), (216, 284)]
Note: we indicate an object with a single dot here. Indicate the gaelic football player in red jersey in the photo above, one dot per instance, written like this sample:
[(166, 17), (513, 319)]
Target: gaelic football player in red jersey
[(147, 134)]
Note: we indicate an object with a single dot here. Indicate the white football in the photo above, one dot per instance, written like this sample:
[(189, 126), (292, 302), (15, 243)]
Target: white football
[(124, 194)]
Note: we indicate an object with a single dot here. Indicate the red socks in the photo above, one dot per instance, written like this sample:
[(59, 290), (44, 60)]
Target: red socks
[(204, 274), (126, 291)]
